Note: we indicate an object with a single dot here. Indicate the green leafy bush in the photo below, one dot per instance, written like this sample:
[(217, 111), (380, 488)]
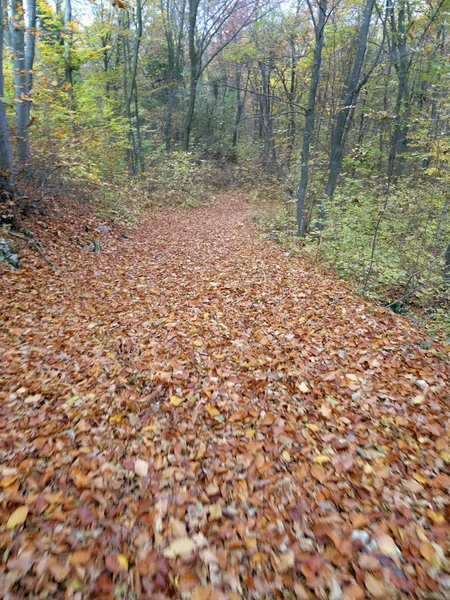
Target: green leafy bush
[(183, 179)]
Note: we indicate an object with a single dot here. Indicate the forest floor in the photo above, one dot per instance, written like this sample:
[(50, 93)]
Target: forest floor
[(194, 413)]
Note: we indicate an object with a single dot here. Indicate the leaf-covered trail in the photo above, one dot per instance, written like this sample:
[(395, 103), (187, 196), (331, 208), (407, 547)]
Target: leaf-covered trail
[(192, 413)]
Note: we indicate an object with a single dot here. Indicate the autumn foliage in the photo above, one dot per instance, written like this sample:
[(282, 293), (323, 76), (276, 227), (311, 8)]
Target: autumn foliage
[(192, 413)]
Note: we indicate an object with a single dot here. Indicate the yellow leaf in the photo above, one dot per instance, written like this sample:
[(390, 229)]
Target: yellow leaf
[(198, 343), (175, 400), (418, 399), (116, 419), (445, 457), (18, 517), (7, 481), (321, 459), (435, 516), (212, 411), (286, 456), (303, 387), (312, 427), (150, 428), (123, 561), (420, 478)]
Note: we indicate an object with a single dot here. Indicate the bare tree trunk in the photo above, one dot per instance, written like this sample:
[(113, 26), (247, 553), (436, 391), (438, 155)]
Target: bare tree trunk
[(402, 65), (130, 89), (20, 82), (6, 161), (68, 70), (270, 160), (292, 92), (345, 114), (240, 105), (195, 71), (308, 131), (173, 22)]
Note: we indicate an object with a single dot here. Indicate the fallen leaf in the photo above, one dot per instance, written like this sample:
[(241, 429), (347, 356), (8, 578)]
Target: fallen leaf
[(387, 546), (287, 457), (321, 459), (80, 557), (141, 467), (18, 517), (179, 547), (435, 516), (428, 551), (176, 400), (212, 411), (116, 563), (286, 561), (177, 528), (375, 586), (202, 593), (215, 512)]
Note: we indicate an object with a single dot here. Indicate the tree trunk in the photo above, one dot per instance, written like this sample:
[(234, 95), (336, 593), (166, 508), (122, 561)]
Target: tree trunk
[(195, 71), (20, 82), (402, 65), (130, 89), (240, 105), (187, 125), (68, 70), (292, 92), (346, 112), (6, 163), (319, 26), (446, 272)]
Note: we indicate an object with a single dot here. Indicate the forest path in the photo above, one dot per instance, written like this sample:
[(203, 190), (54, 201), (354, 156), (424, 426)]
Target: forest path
[(191, 412)]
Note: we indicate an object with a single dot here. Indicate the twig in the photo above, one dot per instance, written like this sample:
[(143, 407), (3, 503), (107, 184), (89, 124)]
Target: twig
[(34, 244)]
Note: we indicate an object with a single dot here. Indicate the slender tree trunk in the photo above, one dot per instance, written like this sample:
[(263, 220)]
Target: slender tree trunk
[(30, 47), (169, 118), (195, 71), (308, 131), (20, 83), (240, 105), (173, 22), (292, 92), (345, 114), (68, 70), (402, 65), (6, 161), (130, 88), (187, 126)]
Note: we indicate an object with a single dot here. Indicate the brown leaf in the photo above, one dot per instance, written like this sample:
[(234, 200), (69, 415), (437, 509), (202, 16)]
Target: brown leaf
[(116, 563), (80, 557)]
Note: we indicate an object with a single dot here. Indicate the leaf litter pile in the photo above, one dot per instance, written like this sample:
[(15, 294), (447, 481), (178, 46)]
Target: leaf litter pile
[(192, 413)]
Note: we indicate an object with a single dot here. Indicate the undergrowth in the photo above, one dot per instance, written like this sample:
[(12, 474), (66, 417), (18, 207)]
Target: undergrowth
[(392, 247)]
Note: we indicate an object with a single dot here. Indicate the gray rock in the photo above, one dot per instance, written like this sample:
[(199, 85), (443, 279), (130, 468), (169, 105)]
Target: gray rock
[(94, 246), (103, 228), (422, 384), (8, 254)]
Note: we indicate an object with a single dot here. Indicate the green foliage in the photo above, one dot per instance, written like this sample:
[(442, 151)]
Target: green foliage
[(393, 245), (183, 179), (278, 226)]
